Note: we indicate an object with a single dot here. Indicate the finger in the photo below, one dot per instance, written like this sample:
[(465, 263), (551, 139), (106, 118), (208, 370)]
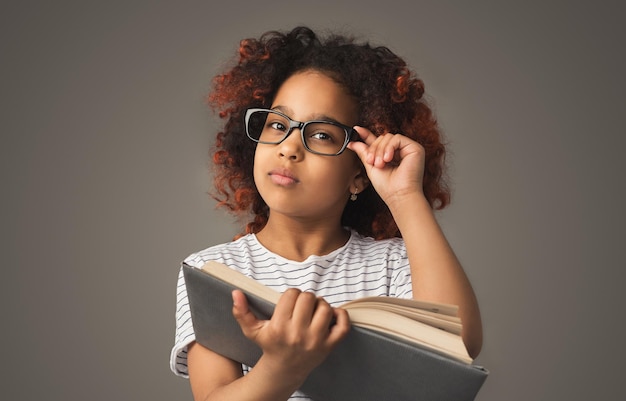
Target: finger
[(393, 150), (286, 303), (247, 321), (368, 149), (391, 147), (362, 152), (341, 327), (304, 308), (382, 150), (361, 148), (323, 316), (366, 135)]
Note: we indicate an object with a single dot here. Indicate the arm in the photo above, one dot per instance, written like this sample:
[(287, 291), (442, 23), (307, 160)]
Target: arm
[(395, 167), (294, 342)]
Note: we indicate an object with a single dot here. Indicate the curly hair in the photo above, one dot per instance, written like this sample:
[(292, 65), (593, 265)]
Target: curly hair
[(389, 96)]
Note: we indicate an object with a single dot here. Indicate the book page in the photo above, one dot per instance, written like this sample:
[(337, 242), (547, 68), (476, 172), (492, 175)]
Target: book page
[(450, 324), (444, 309), (411, 330), (241, 281)]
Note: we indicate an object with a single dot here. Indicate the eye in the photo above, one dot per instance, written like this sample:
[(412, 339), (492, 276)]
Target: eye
[(321, 136), (325, 134), (277, 125)]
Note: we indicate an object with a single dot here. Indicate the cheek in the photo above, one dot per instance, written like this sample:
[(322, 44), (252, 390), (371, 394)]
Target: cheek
[(345, 172), (256, 166), (353, 166)]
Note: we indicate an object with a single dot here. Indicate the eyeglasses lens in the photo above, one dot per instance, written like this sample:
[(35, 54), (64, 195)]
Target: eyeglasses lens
[(319, 137)]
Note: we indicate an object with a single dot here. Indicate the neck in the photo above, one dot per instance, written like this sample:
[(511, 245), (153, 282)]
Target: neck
[(297, 240)]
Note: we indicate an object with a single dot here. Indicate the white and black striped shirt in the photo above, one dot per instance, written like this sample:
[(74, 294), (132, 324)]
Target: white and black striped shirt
[(362, 267)]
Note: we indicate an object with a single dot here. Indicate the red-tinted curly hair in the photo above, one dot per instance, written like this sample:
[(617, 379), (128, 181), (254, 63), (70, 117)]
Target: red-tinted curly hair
[(389, 100)]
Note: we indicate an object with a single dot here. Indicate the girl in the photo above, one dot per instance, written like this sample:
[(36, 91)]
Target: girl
[(330, 146)]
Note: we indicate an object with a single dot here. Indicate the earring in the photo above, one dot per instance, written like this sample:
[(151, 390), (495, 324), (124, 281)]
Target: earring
[(354, 195)]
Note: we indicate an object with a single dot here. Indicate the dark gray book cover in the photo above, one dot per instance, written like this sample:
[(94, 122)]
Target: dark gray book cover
[(365, 366)]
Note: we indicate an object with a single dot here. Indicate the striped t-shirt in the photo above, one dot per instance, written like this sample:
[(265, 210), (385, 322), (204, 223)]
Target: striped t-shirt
[(362, 267)]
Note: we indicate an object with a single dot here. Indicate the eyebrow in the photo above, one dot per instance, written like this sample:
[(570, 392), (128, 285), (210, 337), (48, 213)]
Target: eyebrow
[(315, 117)]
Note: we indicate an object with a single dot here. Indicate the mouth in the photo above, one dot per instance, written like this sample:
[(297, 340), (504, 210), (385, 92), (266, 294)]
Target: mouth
[(283, 177)]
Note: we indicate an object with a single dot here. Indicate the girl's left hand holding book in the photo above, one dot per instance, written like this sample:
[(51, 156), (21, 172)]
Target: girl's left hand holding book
[(301, 333)]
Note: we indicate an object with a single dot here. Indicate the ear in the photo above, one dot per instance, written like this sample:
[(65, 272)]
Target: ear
[(359, 182)]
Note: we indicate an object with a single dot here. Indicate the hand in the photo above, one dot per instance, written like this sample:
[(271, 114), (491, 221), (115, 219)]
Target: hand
[(394, 163), (299, 335)]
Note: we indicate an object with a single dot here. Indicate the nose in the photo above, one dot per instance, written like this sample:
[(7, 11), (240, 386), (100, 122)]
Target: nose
[(292, 147)]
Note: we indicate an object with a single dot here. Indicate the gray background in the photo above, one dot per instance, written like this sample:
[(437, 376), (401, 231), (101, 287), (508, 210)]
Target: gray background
[(105, 180)]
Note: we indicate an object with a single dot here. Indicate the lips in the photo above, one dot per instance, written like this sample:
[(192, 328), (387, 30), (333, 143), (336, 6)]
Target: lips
[(283, 177)]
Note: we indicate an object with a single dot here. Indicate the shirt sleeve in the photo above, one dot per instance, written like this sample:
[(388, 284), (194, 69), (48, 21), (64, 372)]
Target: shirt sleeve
[(184, 328), (401, 283)]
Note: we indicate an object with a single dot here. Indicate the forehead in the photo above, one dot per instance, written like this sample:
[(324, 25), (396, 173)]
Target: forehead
[(310, 94)]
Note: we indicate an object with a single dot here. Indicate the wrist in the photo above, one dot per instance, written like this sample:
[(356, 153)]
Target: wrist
[(403, 202), (280, 373), (411, 210)]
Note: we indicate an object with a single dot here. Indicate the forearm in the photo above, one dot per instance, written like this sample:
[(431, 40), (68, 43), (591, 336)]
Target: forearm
[(261, 384), (436, 272), (214, 377)]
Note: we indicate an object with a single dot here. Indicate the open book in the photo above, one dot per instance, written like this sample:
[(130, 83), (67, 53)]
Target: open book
[(412, 353), (430, 325)]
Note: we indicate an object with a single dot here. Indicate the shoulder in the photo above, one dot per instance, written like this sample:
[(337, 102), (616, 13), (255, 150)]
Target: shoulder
[(369, 245), (230, 253)]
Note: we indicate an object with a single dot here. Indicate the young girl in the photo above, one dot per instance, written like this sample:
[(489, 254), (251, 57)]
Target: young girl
[(330, 146)]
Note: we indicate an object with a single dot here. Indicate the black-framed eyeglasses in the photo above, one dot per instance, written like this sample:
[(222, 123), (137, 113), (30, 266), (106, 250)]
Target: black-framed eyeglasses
[(328, 138)]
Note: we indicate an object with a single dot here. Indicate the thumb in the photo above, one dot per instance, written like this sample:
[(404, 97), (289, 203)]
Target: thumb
[(359, 148), (361, 151), (241, 312)]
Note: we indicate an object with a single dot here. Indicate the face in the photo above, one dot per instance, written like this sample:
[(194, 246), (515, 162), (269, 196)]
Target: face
[(295, 182)]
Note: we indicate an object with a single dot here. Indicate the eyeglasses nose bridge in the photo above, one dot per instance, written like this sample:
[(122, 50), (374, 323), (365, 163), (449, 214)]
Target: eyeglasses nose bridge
[(293, 125)]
